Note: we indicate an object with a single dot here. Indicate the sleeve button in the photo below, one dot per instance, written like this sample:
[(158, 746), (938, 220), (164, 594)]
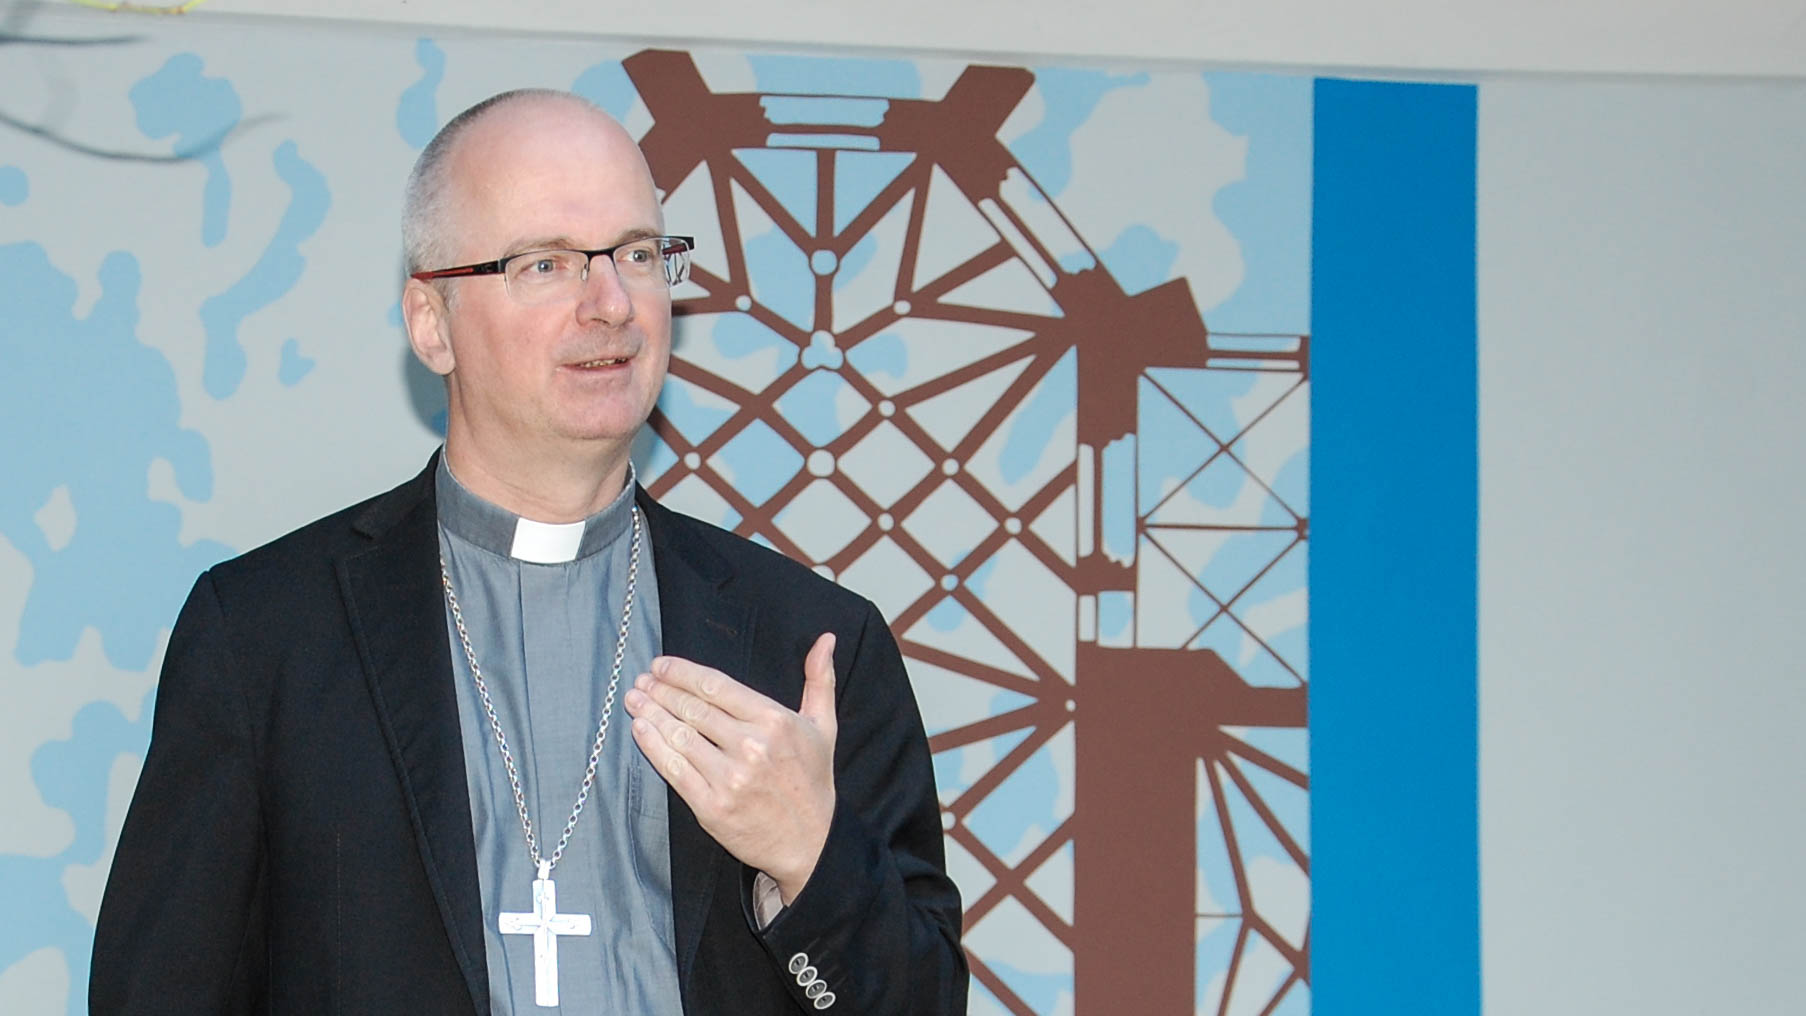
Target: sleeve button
[(798, 962), (805, 975), (825, 1000)]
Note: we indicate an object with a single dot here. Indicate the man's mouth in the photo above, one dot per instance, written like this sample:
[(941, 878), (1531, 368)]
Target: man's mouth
[(605, 362)]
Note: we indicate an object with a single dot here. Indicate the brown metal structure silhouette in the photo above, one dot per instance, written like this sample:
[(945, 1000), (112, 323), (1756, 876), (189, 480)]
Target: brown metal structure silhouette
[(1147, 721)]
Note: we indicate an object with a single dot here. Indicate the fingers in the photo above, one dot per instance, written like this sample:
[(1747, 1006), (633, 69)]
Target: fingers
[(818, 685), (687, 759), (671, 764), (709, 685), (694, 710)]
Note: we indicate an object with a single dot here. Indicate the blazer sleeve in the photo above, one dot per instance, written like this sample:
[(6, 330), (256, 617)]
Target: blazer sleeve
[(181, 923), (876, 929)]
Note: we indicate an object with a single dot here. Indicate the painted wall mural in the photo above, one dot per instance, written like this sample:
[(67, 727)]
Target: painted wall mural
[(1019, 353)]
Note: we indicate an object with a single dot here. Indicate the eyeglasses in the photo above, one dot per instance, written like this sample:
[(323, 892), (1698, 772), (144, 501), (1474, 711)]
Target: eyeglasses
[(545, 276)]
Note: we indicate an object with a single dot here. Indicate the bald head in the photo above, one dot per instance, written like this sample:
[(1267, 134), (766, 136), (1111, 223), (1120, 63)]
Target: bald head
[(513, 123)]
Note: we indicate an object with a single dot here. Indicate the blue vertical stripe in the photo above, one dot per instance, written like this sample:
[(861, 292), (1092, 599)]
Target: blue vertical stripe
[(1394, 753)]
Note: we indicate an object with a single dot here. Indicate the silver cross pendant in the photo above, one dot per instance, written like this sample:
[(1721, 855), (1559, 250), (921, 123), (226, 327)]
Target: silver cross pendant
[(545, 924)]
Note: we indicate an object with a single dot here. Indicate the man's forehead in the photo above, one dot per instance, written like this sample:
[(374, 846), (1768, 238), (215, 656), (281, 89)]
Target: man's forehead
[(552, 158), (547, 127)]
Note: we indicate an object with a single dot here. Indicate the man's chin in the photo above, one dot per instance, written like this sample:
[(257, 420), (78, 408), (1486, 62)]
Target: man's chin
[(603, 434)]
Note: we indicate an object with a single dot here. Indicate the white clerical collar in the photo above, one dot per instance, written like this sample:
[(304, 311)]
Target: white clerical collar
[(546, 542), (502, 532)]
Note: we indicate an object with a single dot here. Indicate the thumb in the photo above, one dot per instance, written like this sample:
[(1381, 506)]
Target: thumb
[(818, 685)]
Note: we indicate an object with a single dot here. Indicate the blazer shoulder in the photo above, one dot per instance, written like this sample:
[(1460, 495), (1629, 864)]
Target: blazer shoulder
[(314, 546)]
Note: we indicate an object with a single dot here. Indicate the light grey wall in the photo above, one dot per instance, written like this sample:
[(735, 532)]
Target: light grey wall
[(1738, 37), (1642, 265)]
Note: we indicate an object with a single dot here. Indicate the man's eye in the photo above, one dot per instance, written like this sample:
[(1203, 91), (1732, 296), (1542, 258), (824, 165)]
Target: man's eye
[(641, 254), (545, 266)]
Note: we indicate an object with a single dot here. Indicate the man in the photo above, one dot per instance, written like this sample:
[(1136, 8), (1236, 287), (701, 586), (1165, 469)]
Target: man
[(383, 777)]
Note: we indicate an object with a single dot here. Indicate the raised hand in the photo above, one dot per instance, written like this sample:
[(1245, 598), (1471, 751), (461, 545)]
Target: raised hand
[(759, 776)]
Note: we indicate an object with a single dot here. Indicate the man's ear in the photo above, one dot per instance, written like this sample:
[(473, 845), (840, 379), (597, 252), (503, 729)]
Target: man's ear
[(429, 326)]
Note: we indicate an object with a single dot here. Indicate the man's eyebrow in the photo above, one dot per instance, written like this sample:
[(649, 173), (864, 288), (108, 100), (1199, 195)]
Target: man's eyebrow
[(522, 246), (570, 243)]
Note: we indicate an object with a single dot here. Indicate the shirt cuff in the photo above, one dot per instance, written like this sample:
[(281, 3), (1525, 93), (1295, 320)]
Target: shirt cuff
[(768, 902)]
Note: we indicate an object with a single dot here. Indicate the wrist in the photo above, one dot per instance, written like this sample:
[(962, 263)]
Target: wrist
[(792, 878)]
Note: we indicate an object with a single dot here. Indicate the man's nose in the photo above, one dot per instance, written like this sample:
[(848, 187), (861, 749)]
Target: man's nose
[(605, 297)]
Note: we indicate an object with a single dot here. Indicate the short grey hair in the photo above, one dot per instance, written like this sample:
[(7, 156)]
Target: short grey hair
[(425, 243)]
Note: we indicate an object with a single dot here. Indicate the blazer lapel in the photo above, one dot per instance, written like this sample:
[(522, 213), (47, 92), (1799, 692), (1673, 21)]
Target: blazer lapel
[(398, 621), (701, 623)]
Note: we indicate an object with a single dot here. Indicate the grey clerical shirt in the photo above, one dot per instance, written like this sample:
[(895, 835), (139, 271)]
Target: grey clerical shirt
[(542, 606)]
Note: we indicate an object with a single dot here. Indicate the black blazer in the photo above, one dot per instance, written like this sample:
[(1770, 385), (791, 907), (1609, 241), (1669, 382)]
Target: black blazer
[(300, 838)]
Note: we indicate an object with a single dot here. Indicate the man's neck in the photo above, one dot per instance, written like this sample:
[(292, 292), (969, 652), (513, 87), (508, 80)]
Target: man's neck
[(544, 488)]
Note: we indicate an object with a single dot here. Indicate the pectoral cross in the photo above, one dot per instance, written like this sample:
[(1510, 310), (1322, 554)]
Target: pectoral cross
[(545, 924)]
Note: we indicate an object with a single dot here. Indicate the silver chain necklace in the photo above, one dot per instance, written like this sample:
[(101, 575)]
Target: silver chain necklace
[(545, 923)]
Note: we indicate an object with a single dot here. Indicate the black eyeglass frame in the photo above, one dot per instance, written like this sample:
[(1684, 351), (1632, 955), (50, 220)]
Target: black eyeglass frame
[(500, 265)]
